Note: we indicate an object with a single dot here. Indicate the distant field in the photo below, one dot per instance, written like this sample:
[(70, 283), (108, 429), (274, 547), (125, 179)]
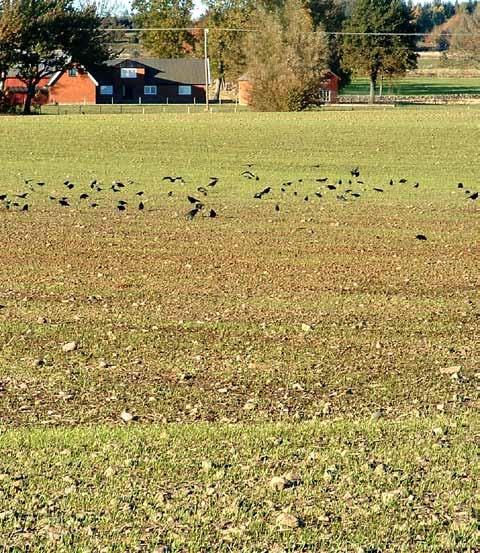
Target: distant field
[(419, 86), (320, 337)]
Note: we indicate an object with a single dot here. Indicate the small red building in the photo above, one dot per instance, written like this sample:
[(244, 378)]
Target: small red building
[(120, 81), (330, 87)]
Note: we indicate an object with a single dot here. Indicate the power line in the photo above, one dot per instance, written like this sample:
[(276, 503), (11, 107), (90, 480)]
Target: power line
[(333, 33)]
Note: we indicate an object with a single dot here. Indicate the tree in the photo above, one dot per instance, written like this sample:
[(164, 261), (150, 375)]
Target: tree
[(48, 36), (286, 58), (465, 39), (225, 48), (379, 55), (169, 14)]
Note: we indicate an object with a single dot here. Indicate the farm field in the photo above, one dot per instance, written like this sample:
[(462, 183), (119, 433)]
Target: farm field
[(319, 341), (419, 86)]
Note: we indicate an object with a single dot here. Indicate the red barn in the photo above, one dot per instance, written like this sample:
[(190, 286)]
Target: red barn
[(330, 87)]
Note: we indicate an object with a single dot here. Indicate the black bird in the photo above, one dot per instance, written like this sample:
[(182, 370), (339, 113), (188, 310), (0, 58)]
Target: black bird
[(40, 183), (170, 194), (3, 197), (22, 196), (355, 194), (360, 182), (84, 196), (141, 206), (114, 189), (93, 204), (416, 185), (93, 183), (318, 194), (139, 193), (277, 208), (305, 199), (119, 184), (331, 187), (25, 207), (378, 189), (355, 172), (474, 196), (171, 179), (339, 181), (421, 237), (121, 207), (203, 190), (52, 198), (295, 193), (213, 181), (122, 202), (391, 182), (402, 181), (460, 185), (282, 190), (66, 182), (191, 214), (63, 202), (259, 195), (70, 186), (324, 179), (193, 200), (212, 214)]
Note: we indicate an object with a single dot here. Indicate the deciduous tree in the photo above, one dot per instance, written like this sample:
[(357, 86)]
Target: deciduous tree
[(380, 54)]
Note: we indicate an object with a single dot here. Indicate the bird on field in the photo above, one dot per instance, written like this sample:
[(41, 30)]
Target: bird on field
[(360, 182), (70, 186), (52, 198), (118, 184), (141, 206), (169, 178), (305, 199), (355, 172), (331, 187), (250, 175), (402, 181), (355, 194), (193, 200), (93, 204), (191, 214), (83, 196), (277, 207), (203, 190), (318, 195), (474, 196), (421, 237), (93, 183), (212, 214), (3, 197), (140, 193), (460, 185), (122, 202), (416, 185), (259, 195), (63, 202), (391, 182), (170, 194), (323, 179), (213, 181), (25, 207), (121, 207), (378, 189), (40, 184), (21, 196)]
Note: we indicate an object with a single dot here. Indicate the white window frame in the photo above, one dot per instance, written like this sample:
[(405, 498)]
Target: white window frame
[(128, 73), (150, 90), (106, 86), (182, 89)]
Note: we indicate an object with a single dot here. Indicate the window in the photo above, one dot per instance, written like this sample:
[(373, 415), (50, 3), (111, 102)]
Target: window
[(106, 90), (72, 72), (150, 90), (128, 73), (184, 90)]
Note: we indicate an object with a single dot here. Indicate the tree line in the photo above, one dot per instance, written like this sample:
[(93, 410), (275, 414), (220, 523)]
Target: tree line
[(285, 46)]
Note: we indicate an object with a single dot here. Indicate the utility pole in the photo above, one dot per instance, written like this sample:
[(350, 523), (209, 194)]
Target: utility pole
[(207, 75)]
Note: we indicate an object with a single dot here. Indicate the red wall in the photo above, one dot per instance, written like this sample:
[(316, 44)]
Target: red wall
[(73, 90)]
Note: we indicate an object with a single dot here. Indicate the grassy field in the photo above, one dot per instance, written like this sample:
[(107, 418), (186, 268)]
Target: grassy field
[(319, 339), (419, 86)]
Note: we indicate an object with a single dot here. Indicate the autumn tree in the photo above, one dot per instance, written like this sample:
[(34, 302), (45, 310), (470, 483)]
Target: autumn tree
[(165, 14), (465, 38), (286, 58), (47, 36), (225, 47), (382, 54)]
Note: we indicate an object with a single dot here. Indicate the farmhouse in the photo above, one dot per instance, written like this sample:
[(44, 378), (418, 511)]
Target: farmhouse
[(133, 80), (329, 88)]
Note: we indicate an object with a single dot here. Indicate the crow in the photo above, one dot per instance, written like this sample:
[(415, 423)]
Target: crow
[(191, 214), (277, 207), (402, 181), (171, 179), (40, 183), (213, 181), (63, 202), (212, 214), (378, 189), (324, 179), (305, 199), (122, 202), (360, 182), (93, 204), (318, 194), (416, 185), (139, 193), (391, 182), (193, 200), (141, 206), (421, 237), (355, 194), (70, 186), (203, 190), (170, 194), (121, 207), (83, 196), (460, 185), (22, 196), (25, 207), (331, 187), (355, 172), (474, 196), (3, 197)]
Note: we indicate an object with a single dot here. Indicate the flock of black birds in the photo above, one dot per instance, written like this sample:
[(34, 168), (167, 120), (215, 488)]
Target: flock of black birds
[(345, 190)]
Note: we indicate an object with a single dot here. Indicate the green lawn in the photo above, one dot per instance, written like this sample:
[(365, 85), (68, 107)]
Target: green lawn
[(419, 86), (320, 338)]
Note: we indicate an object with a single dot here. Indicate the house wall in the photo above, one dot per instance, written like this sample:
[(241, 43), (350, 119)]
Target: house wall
[(73, 90), (18, 98)]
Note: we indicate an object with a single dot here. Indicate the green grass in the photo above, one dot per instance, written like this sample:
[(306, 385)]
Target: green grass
[(419, 86), (195, 328)]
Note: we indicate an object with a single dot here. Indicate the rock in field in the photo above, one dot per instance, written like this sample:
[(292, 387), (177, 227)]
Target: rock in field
[(69, 346)]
